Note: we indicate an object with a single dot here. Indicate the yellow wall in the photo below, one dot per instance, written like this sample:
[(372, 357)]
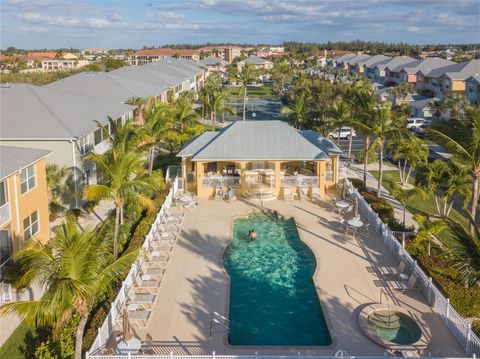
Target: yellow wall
[(458, 85), (34, 200)]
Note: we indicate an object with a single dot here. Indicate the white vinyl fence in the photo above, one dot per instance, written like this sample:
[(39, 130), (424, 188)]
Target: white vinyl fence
[(460, 329), (214, 356), (106, 329)]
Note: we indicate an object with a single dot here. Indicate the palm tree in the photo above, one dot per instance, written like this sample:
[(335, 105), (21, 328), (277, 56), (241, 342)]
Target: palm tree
[(57, 187), (158, 120), (461, 138), (413, 153), (384, 126), (218, 104), (465, 252), (75, 268), (245, 76), (428, 230), (399, 92), (296, 109), (124, 180), (340, 112), (438, 107), (404, 196), (446, 181), (183, 113)]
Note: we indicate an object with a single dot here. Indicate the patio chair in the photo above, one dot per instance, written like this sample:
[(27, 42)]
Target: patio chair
[(154, 271), (392, 270), (287, 193), (402, 285), (147, 300), (111, 344), (140, 318), (146, 283), (163, 246)]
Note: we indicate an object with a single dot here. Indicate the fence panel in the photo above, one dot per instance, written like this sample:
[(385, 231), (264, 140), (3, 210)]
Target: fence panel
[(460, 329)]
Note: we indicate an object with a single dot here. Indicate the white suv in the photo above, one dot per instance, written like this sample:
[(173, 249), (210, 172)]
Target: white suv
[(415, 122), (344, 133)]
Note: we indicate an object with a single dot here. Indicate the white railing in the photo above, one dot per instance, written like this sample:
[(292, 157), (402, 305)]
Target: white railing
[(102, 147), (299, 181), (460, 329), (215, 181), (216, 356), (173, 172), (105, 331), (4, 213)]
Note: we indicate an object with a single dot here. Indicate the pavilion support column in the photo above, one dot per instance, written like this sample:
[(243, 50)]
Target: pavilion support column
[(184, 173), (278, 181), (243, 178), (199, 171), (335, 167), (321, 170)]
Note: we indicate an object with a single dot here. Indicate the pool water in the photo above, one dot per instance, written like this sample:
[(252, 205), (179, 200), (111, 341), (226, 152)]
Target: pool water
[(273, 300), (395, 327)]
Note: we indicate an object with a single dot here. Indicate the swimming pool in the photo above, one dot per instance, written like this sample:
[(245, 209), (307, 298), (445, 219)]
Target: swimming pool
[(273, 300)]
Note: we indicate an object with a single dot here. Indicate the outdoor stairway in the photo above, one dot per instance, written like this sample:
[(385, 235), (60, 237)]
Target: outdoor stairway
[(264, 195)]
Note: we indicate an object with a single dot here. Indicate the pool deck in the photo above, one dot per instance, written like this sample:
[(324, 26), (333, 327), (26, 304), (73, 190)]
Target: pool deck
[(196, 284)]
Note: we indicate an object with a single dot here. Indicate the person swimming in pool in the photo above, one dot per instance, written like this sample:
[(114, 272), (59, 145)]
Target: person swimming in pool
[(252, 235)]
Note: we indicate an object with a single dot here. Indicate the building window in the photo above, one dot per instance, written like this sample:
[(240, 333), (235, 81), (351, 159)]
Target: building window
[(98, 136), (27, 179), (86, 177), (84, 145), (5, 246), (3, 194), (30, 225)]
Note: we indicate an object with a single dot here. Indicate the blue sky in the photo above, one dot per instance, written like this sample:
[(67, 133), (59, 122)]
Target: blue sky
[(133, 24)]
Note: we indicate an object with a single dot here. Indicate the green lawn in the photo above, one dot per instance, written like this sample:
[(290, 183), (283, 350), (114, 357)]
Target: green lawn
[(20, 344), (265, 91), (421, 205)]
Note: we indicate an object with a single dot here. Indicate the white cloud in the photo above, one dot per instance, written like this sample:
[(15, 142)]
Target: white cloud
[(93, 22), (412, 28), (170, 15)]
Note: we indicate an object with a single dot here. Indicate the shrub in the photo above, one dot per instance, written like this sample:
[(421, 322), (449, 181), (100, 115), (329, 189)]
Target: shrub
[(380, 205), (45, 351), (358, 184), (476, 327), (372, 156)]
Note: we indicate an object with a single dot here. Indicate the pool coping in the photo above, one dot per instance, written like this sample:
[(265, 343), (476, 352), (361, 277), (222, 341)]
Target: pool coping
[(332, 345)]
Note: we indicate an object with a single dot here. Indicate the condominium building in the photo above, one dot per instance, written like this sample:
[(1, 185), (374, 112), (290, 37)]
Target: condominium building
[(142, 57)]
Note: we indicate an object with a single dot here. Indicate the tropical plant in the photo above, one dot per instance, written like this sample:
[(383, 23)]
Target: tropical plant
[(462, 139), (244, 77), (75, 268), (218, 103), (404, 196), (438, 107), (281, 73), (183, 114), (124, 181), (465, 251), (446, 181), (427, 230), (399, 92), (57, 187), (385, 125), (411, 151), (296, 109), (340, 113), (139, 102)]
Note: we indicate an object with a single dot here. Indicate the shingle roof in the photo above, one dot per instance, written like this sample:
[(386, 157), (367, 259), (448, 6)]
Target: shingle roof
[(394, 62), (13, 159), (356, 59), (107, 85), (464, 70), (257, 140), (31, 112), (426, 65), (373, 60)]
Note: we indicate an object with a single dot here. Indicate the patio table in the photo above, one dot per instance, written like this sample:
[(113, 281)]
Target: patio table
[(185, 198), (355, 224), (341, 205), (131, 346)]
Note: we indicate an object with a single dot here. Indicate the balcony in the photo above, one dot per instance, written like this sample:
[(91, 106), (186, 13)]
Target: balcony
[(4, 213), (101, 148)]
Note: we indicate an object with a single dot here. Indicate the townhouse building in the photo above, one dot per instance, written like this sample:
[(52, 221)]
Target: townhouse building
[(258, 62), (352, 62), (142, 57), (388, 72), (214, 64), (366, 67), (63, 123), (472, 88), (408, 72)]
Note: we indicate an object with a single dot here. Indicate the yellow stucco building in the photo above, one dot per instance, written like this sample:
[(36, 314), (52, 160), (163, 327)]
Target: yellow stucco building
[(259, 158), (23, 200)]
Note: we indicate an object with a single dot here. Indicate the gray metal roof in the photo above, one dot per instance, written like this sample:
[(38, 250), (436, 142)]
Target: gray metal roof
[(394, 62), (474, 78), (356, 59), (372, 61), (34, 112), (255, 140), (256, 60), (343, 57), (107, 85), (426, 65), (321, 142), (14, 159), (422, 103), (149, 76), (212, 61)]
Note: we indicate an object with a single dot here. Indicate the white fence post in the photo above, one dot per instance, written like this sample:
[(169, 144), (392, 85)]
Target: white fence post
[(447, 313), (469, 338)]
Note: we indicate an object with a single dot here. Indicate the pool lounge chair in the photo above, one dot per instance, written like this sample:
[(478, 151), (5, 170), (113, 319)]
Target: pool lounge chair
[(392, 270), (139, 318), (404, 285), (146, 300), (148, 285)]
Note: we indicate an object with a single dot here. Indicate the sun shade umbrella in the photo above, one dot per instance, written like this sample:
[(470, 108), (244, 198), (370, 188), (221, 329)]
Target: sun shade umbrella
[(355, 208), (127, 330), (342, 191)]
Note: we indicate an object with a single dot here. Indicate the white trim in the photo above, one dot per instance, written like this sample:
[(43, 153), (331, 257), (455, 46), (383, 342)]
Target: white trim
[(74, 173), (16, 209), (34, 176)]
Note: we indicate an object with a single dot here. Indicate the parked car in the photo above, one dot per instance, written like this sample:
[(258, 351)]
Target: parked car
[(414, 122), (344, 133), (420, 129)]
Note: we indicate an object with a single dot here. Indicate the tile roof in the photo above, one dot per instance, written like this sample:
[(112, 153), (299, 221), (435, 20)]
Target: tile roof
[(258, 140), (34, 112), (14, 159)]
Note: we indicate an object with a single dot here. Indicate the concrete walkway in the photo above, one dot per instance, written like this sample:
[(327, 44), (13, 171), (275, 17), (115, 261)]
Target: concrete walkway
[(346, 278)]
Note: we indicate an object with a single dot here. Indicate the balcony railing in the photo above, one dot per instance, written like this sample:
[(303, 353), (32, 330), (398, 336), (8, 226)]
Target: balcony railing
[(299, 181), (5, 213), (101, 148), (220, 181)]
